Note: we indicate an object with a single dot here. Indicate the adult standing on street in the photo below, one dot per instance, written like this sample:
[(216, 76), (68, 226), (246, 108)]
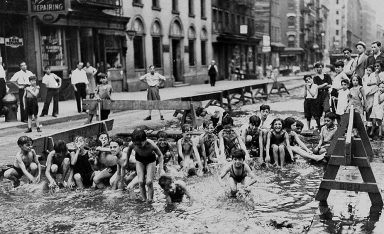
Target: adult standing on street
[(53, 84), (360, 60), (91, 72), (348, 62), (212, 72), (153, 80), (3, 85), (324, 82), (21, 79), (376, 54), (79, 81)]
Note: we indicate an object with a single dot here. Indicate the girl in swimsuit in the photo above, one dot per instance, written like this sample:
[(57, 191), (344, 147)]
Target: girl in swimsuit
[(278, 141), (174, 191), (145, 155), (238, 170)]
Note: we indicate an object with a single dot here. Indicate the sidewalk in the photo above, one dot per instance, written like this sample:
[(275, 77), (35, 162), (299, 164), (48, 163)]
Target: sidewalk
[(68, 111)]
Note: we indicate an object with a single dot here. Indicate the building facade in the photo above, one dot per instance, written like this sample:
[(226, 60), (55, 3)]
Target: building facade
[(368, 15), (60, 33), (235, 39), (172, 35)]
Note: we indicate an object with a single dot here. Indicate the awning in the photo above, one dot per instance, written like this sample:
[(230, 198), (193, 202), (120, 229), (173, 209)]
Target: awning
[(233, 38), (112, 32), (292, 51), (277, 44), (93, 19)]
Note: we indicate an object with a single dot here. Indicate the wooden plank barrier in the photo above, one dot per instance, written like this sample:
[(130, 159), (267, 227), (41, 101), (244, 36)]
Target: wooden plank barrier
[(44, 144), (187, 106), (349, 150)]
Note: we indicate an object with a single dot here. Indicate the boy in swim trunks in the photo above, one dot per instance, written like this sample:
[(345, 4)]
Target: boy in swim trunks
[(164, 147), (208, 143), (238, 170), (189, 157), (58, 163), (174, 191), (26, 163), (145, 154)]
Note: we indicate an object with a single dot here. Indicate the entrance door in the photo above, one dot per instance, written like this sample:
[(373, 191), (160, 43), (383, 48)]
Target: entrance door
[(176, 60)]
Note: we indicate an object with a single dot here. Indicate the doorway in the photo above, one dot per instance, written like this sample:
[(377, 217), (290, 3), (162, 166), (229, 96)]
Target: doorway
[(176, 60)]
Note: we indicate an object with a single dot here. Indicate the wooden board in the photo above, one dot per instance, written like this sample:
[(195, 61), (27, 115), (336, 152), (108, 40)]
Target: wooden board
[(141, 104), (349, 186)]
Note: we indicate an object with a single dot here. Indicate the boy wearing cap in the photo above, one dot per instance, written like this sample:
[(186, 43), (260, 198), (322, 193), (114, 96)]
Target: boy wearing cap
[(361, 59)]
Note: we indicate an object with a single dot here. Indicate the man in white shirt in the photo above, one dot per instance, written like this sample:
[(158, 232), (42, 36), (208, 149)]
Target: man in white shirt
[(21, 79), (348, 62), (53, 84), (3, 86), (79, 82)]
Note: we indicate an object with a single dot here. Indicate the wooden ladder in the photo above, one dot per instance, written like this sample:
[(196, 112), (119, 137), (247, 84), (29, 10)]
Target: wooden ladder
[(347, 150)]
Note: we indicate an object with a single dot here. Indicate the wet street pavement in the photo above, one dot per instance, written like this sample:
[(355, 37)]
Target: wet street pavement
[(282, 201)]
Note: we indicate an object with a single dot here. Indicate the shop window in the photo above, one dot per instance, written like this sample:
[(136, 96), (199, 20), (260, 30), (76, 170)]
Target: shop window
[(51, 47), (202, 9), (191, 11)]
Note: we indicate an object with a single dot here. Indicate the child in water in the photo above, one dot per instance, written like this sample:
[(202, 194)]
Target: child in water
[(238, 170), (253, 137), (174, 191), (278, 141), (208, 143), (326, 134), (189, 157)]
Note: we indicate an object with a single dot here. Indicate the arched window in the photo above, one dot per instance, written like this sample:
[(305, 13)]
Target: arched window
[(291, 21), (156, 43), (204, 38), (138, 44), (176, 29), (191, 45)]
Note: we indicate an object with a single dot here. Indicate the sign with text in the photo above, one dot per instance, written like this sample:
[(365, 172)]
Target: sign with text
[(266, 41), (13, 42), (47, 5)]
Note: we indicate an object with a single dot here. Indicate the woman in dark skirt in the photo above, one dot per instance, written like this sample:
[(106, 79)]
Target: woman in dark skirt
[(153, 80)]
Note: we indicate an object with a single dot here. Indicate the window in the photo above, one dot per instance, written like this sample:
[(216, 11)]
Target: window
[(137, 3), (337, 32), (138, 44), (204, 39), (191, 11), (337, 1), (291, 21), (291, 41), (156, 44), (155, 5), (202, 9), (291, 5), (337, 12), (191, 46), (337, 22), (51, 47), (175, 6)]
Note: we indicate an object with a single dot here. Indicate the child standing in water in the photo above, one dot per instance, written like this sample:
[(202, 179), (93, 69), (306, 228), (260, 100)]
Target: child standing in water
[(30, 103), (378, 110), (145, 155), (357, 95), (278, 141), (26, 163), (253, 137), (238, 170), (326, 134), (174, 191), (164, 147)]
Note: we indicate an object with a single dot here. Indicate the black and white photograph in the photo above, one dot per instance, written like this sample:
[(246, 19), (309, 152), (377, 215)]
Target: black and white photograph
[(191, 116)]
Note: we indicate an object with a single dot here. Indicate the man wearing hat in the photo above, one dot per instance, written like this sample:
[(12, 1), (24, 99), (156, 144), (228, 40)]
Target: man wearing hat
[(376, 54), (348, 62), (360, 62)]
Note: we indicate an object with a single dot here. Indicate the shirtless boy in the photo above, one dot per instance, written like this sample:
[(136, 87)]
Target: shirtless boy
[(145, 154), (189, 156), (26, 163), (58, 161)]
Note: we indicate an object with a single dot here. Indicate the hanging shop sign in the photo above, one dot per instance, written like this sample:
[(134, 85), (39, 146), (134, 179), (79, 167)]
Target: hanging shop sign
[(48, 10), (13, 42)]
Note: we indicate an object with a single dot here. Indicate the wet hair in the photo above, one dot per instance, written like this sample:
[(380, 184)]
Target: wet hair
[(347, 49), (238, 154), (330, 115), (24, 140), (32, 78), (288, 122), (299, 124), (199, 110), (255, 120), (345, 81), (60, 147), (165, 180), (186, 128), (162, 134), (378, 43), (227, 120), (339, 63), (118, 140), (306, 77), (139, 135), (265, 107), (275, 120), (206, 123), (318, 65)]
